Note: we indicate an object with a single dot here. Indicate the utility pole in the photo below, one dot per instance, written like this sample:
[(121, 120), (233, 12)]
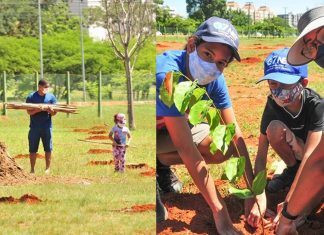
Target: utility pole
[(82, 50), (40, 40), (286, 18)]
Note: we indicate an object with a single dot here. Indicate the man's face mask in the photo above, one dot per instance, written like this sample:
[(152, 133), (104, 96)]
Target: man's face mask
[(320, 56), (284, 97), (204, 72)]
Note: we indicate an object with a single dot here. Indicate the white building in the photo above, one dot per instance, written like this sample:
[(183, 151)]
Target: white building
[(76, 6)]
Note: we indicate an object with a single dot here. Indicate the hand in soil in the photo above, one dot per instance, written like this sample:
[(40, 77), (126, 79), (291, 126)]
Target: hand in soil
[(224, 223), (286, 227), (254, 217)]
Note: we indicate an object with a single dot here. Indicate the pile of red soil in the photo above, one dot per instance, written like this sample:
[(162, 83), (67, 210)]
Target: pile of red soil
[(137, 166), (99, 151), (98, 137), (140, 208), (10, 172), (80, 130), (96, 163), (150, 172), (97, 132), (251, 60), (189, 213), (27, 198), (27, 156)]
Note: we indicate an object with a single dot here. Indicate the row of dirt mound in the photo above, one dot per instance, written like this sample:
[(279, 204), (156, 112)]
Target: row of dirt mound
[(27, 198)]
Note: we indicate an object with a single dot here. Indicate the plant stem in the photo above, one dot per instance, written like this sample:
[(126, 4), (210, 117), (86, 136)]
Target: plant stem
[(260, 215)]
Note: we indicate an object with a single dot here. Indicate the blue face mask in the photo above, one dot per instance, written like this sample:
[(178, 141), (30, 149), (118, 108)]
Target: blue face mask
[(204, 72), (320, 56)]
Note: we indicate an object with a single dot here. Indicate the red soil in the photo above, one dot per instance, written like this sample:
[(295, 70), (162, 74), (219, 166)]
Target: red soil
[(27, 156), (27, 198), (99, 128), (190, 214), (99, 151), (140, 208), (164, 46), (98, 137), (151, 172), (81, 130), (251, 60), (95, 163), (97, 132), (137, 166)]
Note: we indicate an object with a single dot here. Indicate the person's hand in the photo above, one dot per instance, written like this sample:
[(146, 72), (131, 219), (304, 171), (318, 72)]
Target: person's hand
[(50, 110), (254, 217), (286, 227), (276, 219), (224, 224)]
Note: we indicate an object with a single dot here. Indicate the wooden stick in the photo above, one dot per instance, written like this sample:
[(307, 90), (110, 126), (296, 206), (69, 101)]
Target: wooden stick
[(56, 107)]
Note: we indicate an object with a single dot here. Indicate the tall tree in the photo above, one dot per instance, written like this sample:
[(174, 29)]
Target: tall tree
[(129, 25), (201, 10)]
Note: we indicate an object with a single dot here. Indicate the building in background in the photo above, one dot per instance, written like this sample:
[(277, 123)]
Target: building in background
[(76, 6), (291, 19)]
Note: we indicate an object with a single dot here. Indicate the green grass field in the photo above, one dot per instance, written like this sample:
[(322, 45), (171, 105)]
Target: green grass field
[(81, 208)]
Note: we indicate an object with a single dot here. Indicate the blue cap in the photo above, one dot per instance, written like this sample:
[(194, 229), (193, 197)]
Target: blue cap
[(276, 68), (219, 30)]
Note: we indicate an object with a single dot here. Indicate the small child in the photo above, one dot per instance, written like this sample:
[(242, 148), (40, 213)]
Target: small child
[(118, 135)]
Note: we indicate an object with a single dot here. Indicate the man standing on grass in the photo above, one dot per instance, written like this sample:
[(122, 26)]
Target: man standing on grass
[(40, 124)]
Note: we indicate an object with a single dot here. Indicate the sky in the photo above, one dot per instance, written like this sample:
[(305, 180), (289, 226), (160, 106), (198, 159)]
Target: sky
[(277, 6)]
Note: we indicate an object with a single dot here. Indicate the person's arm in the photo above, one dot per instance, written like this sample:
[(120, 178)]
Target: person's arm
[(313, 140), (260, 164), (51, 111), (110, 136), (181, 137), (32, 112)]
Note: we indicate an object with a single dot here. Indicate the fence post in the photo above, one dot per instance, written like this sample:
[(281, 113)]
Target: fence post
[(4, 111), (99, 95), (36, 77), (68, 89)]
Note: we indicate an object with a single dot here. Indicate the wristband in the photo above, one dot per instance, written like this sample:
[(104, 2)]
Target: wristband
[(285, 213)]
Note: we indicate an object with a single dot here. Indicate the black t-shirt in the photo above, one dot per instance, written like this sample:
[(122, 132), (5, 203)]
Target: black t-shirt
[(310, 118)]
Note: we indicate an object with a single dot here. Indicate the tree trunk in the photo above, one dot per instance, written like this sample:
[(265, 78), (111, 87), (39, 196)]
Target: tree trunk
[(130, 109)]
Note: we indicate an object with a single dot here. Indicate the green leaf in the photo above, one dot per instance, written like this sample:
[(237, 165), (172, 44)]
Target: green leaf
[(212, 148), (168, 86), (182, 94), (197, 95), (241, 193), (259, 182), (213, 118), (218, 137), (234, 168), (230, 132), (198, 112)]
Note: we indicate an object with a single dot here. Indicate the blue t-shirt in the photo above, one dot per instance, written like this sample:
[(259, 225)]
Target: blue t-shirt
[(119, 134), (41, 119), (176, 61)]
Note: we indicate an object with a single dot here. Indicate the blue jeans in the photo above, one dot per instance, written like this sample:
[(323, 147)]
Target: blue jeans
[(35, 134)]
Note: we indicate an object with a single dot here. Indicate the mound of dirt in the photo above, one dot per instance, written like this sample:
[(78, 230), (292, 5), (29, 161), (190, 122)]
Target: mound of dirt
[(251, 60), (99, 151), (97, 132), (140, 208), (96, 163), (81, 130), (137, 166), (98, 137), (26, 198), (9, 170), (151, 172), (27, 156)]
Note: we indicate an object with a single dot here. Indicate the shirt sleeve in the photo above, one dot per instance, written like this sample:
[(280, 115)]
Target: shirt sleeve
[(317, 117), (53, 100), (218, 92), (161, 109), (28, 99)]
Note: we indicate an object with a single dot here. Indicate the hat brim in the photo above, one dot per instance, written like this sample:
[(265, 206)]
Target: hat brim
[(221, 40), (294, 56), (280, 77)]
